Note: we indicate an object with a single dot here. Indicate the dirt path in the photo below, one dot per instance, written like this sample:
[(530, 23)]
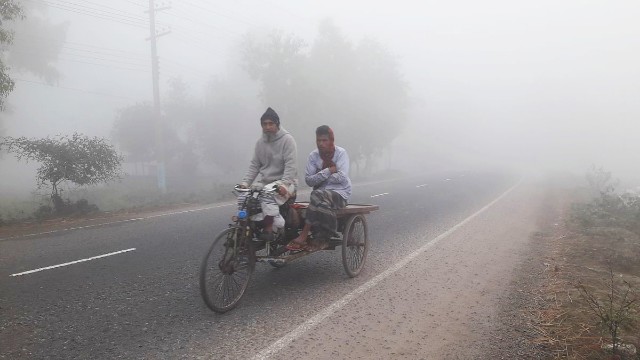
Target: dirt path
[(448, 302)]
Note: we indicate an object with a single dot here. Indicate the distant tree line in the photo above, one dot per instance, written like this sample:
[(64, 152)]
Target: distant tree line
[(356, 88)]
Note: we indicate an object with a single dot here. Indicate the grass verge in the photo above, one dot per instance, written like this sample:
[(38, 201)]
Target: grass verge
[(589, 302)]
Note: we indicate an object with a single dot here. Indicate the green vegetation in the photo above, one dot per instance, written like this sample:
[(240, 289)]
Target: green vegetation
[(77, 159), (130, 194), (9, 10), (606, 247), (616, 311)]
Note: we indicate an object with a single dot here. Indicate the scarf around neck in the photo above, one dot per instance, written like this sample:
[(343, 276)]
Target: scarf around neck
[(327, 156)]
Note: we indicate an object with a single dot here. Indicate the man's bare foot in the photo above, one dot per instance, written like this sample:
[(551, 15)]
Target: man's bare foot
[(300, 240), (299, 243)]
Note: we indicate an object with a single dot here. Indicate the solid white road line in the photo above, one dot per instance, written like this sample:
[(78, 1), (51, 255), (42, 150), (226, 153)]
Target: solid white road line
[(423, 185), (331, 309), (118, 222), (73, 262), (383, 194)]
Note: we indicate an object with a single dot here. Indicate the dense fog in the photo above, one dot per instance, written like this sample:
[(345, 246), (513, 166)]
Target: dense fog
[(407, 86)]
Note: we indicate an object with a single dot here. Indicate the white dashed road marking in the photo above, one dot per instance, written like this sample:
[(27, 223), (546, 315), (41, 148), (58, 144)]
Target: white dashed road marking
[(73, 262), (423, 185), (383, 194)]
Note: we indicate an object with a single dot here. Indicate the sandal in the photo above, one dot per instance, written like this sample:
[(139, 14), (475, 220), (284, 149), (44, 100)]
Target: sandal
[(317, 246), (294, 246)]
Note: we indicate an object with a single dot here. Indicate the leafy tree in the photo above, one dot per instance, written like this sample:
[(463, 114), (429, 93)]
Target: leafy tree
[(226, 129), (37, 42), (135, 126), (133, 131), (30, 45), (355, 88), (277, 61), (78, 159), (9, 11)]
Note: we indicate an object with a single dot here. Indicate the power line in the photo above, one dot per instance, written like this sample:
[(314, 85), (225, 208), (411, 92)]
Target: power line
[(186, 67), (135, 3), (140, 66), (93, 13), (92, 55), (285, 10), (198, 43), (215, 12), (78, 43), (138, 58), (73, 89), (105, 48), (110, 10), (104, 53), (186, 16)]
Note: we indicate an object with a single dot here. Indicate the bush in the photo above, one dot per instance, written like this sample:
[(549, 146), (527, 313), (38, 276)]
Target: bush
[(65, 207), (615, 309), (44, 212), (609, 210)]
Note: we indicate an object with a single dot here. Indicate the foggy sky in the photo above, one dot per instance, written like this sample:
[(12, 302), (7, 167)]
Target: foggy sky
[(542, 84)]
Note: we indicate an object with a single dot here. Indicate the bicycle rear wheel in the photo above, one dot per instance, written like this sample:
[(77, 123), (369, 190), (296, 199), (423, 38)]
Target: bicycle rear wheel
[(226, 271)]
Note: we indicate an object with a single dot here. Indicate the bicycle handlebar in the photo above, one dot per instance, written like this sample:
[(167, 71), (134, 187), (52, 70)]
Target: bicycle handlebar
[(264, 190)]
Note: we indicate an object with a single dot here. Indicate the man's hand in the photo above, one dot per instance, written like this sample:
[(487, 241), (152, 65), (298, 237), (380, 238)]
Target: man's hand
[(243, 186), (333, 169), (282, 190)]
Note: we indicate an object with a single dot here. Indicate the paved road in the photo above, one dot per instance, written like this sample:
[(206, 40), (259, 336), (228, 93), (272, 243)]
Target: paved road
[(145, 303)]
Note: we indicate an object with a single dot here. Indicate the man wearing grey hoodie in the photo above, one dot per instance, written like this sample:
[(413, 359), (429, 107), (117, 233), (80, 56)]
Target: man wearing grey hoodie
[(274, 163)]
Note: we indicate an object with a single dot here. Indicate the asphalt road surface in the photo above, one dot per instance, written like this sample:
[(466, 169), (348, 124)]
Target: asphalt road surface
[(142, 300)]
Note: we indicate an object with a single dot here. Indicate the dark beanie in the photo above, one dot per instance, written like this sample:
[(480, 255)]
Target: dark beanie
[(271, 115)]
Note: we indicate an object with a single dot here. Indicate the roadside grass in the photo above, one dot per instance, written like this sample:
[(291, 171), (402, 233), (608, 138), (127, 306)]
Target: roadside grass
[(130, 194), (591, 295), (14, 209)]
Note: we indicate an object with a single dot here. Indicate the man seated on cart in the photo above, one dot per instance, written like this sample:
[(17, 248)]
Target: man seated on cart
[(327, 172)]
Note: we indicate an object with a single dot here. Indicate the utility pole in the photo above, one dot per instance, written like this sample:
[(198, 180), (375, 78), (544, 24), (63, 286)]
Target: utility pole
[(155, 74)]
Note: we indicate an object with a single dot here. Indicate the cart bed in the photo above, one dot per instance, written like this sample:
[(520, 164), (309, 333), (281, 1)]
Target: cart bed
[(349, 210)]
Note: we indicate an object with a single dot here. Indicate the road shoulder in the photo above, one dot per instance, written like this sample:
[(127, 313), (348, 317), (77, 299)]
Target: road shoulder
[(447, 302)]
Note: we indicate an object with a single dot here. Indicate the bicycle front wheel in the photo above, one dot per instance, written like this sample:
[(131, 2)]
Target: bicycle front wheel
[(226, 271)]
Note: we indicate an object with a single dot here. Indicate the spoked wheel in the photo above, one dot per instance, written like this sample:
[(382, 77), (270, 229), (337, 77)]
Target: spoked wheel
[(226, 271), (355, 245)]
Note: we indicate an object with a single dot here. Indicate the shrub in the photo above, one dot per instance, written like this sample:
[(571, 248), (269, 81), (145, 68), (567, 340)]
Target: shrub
[(616, 311)]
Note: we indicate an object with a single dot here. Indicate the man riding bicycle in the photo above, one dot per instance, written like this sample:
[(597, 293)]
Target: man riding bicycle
[(274, 160)]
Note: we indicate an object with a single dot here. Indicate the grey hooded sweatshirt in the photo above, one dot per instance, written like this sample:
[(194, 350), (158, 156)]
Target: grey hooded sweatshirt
[(275, 158)]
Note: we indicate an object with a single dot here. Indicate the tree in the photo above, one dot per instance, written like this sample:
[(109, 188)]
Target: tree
[(30, 45), (133, 131), (37, 42), (226, 129), (9, 11), (78, 159), (355, 88)]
